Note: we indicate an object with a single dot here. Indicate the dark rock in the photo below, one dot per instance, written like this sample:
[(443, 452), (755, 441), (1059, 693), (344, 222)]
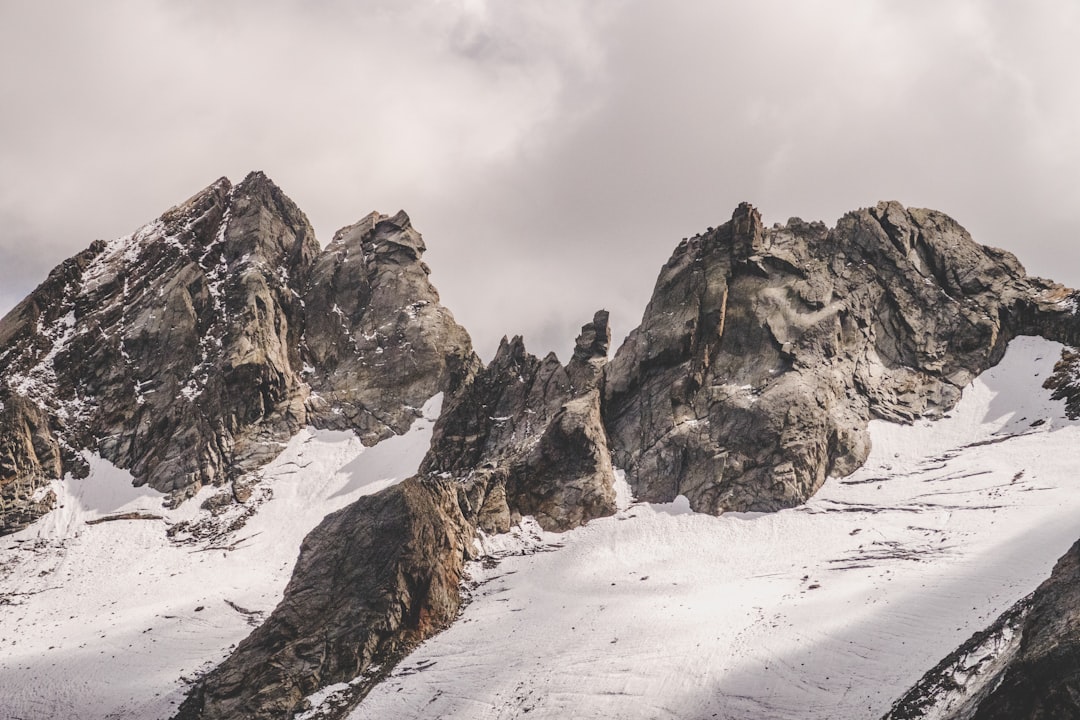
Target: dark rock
[(1065, 382), (956, 685), (526, 436), (377, 340), (763, 353), (29, 459), (1043, 679), (190, 350), (372, 581), (1036, 677), (383, 574)]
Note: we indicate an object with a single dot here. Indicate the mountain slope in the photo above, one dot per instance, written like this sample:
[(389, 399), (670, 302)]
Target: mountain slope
[(1024, 664), (190, 350), (827, 610), (760, 360), (218, 354), (111, 618), (524, 435)]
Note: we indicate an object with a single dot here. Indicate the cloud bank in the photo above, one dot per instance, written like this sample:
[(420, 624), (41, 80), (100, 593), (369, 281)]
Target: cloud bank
[(552, 153)]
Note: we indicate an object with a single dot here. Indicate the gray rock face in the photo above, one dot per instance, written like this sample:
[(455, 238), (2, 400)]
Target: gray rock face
[(189, 350), (526, 437), (764, 352), (383, 574), (377, 341), (1065, 382), (1043, 679), (372, 580), (29, 452)]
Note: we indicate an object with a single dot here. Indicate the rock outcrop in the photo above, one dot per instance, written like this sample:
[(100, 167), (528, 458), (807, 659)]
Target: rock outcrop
[(372, 580), (376, 342), (29, 453), (527, 437), (1043, 679), (521, 437), (189, 350), (764, 351), (1034, 674)]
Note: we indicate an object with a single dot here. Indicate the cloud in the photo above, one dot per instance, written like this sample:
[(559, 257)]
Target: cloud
[(552, 153)]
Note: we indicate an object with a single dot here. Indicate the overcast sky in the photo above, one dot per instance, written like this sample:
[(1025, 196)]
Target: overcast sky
[(552, 153)]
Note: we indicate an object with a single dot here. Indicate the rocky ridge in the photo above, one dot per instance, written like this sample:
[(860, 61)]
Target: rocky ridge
[(190, 350), (764, 351), (759, 361), (523, 436), (1024, 666), (1027, 666)]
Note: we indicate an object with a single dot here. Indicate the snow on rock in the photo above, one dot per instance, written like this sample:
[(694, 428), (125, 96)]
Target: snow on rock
[(102, 616), (829, 610)]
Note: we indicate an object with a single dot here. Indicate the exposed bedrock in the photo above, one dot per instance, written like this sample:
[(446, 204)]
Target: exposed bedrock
[(765, 351), (188, 351), (1026, 666), (29, 452), (521, 437)]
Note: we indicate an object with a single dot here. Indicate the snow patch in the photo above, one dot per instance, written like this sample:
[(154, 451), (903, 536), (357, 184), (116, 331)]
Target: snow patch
[(829, 610), (106, 617)]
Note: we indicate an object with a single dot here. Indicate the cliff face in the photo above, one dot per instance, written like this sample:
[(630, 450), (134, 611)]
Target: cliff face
[(377, 342), (189, 350), (764, 351), (758, 363), (522, 436), (1042, 681)]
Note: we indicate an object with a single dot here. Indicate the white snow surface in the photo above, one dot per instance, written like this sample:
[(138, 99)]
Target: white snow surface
[(830, 610), (111, 620)]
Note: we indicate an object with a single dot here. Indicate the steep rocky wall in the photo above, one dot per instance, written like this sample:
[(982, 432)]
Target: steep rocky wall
[(383, 574), (377, 341), (372, 580), (1043, 679), (29, 456), (765, 351), (189, 350), (527, 437)]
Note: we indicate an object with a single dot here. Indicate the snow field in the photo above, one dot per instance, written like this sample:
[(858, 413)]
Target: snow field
[(829, 610), (107, 620)]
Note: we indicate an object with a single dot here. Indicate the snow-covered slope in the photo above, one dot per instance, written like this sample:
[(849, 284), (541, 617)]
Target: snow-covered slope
[(109, 619), (829, 610)]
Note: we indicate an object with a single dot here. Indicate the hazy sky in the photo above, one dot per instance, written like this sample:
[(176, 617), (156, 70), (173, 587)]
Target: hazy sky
[(552, 153)]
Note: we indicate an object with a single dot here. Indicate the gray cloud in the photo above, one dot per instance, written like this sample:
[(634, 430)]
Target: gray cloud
[(552, 153)]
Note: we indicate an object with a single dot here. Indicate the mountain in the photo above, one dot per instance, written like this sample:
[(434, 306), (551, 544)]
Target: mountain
[(191, 349), (165, 395)]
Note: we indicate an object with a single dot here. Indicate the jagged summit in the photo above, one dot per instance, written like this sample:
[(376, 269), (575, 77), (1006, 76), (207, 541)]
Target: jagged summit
[(188, 350), (760, 360), (766, 350), (193, 350)]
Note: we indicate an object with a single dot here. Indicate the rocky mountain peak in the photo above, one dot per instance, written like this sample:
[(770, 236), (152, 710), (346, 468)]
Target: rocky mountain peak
[(764, 351), (517, 438), (380, 237), (594, 340), (190, 349), (747, 230)]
